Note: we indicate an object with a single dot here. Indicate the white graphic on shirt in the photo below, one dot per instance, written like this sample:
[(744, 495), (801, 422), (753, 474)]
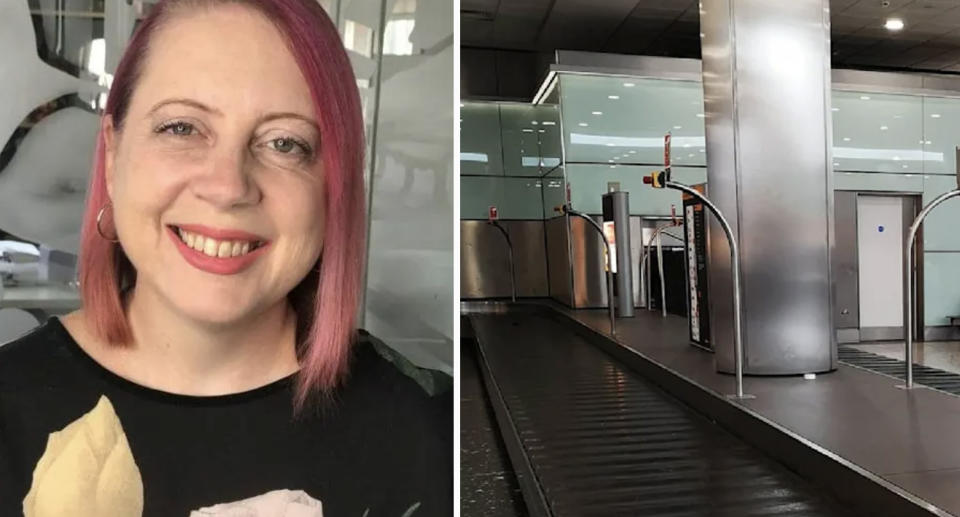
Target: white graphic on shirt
[(278, 503)]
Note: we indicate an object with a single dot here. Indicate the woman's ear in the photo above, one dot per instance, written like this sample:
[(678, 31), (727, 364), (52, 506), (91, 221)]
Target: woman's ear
[(109, 133)]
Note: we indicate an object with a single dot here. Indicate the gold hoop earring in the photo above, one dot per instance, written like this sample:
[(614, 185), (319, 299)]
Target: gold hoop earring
[(100, 218)]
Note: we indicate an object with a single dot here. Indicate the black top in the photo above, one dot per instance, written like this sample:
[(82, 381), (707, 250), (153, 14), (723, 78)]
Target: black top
[(384, 447)]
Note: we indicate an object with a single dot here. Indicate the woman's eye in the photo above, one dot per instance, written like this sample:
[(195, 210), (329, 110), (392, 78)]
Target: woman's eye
[(288, 146), (177, 128)]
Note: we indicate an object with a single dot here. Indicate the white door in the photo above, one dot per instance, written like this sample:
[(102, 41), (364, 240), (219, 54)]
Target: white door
[(880, 254)]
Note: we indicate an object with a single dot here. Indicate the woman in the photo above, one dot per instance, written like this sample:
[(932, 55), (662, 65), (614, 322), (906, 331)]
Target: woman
[(215, 363)]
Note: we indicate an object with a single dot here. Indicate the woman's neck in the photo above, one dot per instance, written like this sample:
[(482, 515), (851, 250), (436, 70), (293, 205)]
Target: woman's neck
[(173, 353)]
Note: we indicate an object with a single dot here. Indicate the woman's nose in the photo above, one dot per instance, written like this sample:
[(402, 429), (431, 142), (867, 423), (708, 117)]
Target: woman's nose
[(227, 181)]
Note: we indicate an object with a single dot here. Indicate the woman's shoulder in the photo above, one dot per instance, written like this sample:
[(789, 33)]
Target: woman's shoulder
[(44, 352), (388, 380)]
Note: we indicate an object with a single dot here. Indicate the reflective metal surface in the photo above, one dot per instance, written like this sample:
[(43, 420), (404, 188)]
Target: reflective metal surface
[(484, 260), (608, 266), (587, 265), (769, 169), (559, 274), (844, 263)]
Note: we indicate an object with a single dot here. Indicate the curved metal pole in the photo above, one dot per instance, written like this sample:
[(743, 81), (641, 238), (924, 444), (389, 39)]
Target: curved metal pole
[(513, 276), (908, 279), (735, 267), (606, 246), (663, 283), (645, 264)]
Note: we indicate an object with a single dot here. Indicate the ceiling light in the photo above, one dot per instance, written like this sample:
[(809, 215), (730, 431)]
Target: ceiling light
[(928, 142), (904, 166), (597, 113), (611, 145), (846, 139), (893, 24), (883, 128), (633, 152), (583, 124), (836, 164), (549, 123), (677, 127), (864, 97), (614, 97), (628, 85), (611, 161), (699, 115), (834, 109), (534, 122), (934, 115)]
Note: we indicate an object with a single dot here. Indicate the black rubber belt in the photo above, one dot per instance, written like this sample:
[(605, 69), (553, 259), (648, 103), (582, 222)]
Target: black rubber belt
[(600, 440)]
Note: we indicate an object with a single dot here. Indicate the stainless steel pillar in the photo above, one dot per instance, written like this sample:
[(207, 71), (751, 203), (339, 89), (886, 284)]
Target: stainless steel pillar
[(616, 209), (766, 81)]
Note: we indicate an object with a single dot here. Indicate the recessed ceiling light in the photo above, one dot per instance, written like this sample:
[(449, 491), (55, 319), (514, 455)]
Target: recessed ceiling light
[(633, 152), (835, 164), (928, 142), (864, 97), (611, 161), (934, 115), (883, 128), (893, 24), (597, 113), (834, 109), (611, 145), (677, 127), (614, 97), (700, 115), (549, 123), (629, 85), (846, 139), (904, 166), (583, 124)]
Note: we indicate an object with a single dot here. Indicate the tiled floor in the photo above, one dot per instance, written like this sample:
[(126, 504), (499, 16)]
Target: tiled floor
[(944, 355)]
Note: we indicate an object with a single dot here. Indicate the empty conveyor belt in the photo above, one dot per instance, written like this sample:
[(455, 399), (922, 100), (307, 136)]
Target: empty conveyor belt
[(590, 437)]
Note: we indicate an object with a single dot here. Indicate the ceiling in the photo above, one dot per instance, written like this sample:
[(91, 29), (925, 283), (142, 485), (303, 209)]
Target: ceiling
[(930, 40)]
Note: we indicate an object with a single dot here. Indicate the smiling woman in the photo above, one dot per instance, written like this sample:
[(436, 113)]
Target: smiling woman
[(216, 357)]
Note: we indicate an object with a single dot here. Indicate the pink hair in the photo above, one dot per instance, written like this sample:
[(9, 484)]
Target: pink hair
[(326, 301)]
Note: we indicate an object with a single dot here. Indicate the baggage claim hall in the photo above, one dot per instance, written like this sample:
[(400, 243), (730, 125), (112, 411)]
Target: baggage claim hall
[(710, 258)]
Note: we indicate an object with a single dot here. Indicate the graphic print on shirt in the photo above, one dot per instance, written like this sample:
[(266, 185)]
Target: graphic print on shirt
[(88, 470)]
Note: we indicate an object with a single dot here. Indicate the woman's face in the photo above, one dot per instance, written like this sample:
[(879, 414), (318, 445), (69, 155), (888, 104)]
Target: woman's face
[(215, 175)]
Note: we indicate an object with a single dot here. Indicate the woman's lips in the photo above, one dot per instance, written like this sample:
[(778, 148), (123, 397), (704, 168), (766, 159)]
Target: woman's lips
[(226, 265)]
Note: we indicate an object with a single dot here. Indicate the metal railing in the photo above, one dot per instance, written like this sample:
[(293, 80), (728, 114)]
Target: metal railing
[(610, 259), (908, 280), (735, 273), (513, 276)]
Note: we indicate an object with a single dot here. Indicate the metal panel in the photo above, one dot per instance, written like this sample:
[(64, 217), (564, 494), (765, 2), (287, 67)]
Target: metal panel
[(846, 281), (558, 260), (589, 280), (484, 262), (772, 179)]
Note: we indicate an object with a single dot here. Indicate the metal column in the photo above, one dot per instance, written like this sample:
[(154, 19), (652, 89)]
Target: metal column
[(766, 82), (616, 210)]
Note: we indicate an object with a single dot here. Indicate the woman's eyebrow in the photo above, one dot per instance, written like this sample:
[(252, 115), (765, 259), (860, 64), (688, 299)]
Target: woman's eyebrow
[(189, 102), (274, 116)]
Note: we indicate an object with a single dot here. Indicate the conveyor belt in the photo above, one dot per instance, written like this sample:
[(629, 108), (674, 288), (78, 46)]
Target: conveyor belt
[(488, 485), (590, 437), (924, 375)]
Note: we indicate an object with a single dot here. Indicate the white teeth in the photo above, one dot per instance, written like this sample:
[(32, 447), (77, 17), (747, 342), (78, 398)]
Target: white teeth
[(210, 247), (213, 247)]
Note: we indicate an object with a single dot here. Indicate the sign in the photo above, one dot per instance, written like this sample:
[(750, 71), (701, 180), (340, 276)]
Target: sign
[(609, 233), (666, 150), (492, 214)]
